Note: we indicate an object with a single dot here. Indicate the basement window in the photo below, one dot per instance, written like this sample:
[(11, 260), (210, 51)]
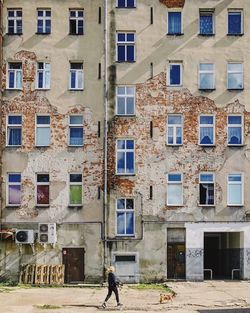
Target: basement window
[(14, 130), (13, 189), (125, 157), (235, 190), (42, 130), (75, 189), (206, 184), (125, 217), (125, 100), (174, 189), (76, 22), (234, 130), (15, 26), (42, 189), (206, 130), (75, 130)]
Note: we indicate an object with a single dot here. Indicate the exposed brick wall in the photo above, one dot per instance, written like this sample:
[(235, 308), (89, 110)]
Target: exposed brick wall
[(173, 3), (154, 159)]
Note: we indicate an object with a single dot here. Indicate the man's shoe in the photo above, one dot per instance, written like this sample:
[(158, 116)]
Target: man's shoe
[(104, 305)]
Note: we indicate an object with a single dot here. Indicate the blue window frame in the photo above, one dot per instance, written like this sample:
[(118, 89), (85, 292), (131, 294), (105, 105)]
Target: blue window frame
[(174, 23), (76, 130), (125, 217), (206, 130), (126, 3), (235, 22), (175, 74), (235, 130), (14, 130), (206, 23), (125, 47), (125, 157)]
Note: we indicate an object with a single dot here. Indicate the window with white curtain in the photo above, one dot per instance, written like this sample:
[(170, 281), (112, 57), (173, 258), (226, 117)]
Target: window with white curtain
[(14, 130), (235, 195), (206, 188), (42, 130), (175, 129), (234, 130), (43, 75), (206, 123), (76, 81), (174, 189), (235, 76), (174, 23), (206, 76)]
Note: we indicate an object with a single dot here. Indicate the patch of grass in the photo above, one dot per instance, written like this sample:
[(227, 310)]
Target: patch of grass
[(160, 287), (48, 307)]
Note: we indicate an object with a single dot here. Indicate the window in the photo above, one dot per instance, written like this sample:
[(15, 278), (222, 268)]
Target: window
[(76, 76), (125, 100), (207, 130), (42, 189), (14, 130), (234, 76), (174, 189), (75, 189), (76, 22), (15, 76), (76, 130), (43, 21), (174, 23), (43, 75), (42, 130), (125, 47), (206, 76), (125, 3), (175, 74), (206, 22), (125, 156), (174, 125), (235, 22), (15, 22), (206, 189), (234, 130), (235, 189), (13, 189), (125, 217)]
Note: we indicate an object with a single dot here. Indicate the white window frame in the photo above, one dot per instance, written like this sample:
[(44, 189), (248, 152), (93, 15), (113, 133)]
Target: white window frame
[(124, 151), (242, 21), (78, 72), (206, 125), (13, 126), (44, 18), (207, 72), (45, 71), (168, 74), (125, 223), (76, 126), (125, 96), (236, 183), (76, 184), (126, 5), (42, 126), (236, 126), (207, 182), (15, 76), (77, 18), (175, 11), (8, 183), (207, 11), (15, 18), (175, 183), (125, 43), (235, 72), (42, 184), (175, 126)]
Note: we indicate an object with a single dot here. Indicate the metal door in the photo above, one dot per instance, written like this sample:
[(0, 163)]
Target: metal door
[(73, 259), (176, 261)]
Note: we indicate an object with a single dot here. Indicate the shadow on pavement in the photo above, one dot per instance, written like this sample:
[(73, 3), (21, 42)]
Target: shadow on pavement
[(245, 310)]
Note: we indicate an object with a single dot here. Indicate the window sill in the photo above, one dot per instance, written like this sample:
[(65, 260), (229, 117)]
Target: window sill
[(174, 145), (14, 89), (177, 34), (125, 236), (174, 86), (71, 206), (13, 146), (207, 89), (207, 205), (207, 146), (235, 89), (43, 89), (206, 35), (46, 206), (121, 174), (70, 89), (14, 34), (125, 61), (125, 115), (235, 145), (43, 34), (126, 7), (13, 206), (175, 205), (235, 35), (235, 205), (71, 34), (40, 147), (71, 146)]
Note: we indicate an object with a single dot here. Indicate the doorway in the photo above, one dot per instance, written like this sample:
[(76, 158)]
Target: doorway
[(73, 259)]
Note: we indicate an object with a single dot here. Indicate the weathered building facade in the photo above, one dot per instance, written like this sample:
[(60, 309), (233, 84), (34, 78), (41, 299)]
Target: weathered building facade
[(125, 126)]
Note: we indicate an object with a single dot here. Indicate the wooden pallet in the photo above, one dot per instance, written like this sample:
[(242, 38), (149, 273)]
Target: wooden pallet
[(27, 274), (42, 274), (57, 274)]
